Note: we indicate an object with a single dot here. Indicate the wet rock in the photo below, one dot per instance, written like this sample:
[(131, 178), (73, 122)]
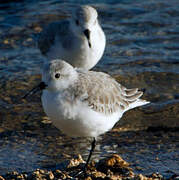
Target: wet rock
[(61, 175), (108, 168), (76, 162), (6, 41), (1, 178), (116, 160), (37, 29), (15, 175), (142, 177), (46, 120), (156, 176), (114, 166), (41, 174)]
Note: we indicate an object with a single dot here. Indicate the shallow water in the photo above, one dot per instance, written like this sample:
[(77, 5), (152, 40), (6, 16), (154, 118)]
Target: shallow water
[(142, 51)]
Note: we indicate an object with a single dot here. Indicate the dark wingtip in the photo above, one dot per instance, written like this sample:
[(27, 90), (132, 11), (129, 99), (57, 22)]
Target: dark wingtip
[(143, 90)]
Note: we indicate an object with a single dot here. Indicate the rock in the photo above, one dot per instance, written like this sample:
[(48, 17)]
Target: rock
[(51, 176), (37, 29), (1, 178), (76, 162), (116, 160), (6, 41), (115, 164), (112, 168)]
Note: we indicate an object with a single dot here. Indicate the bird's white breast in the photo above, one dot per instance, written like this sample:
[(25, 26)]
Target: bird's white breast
[(77, 119), (79, 54)]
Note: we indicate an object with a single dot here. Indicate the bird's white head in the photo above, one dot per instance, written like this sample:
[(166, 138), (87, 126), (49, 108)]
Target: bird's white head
[(58, 75), (84, 21)]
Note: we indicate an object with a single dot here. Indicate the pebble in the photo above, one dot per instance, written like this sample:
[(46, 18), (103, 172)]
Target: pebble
[(37, 29)]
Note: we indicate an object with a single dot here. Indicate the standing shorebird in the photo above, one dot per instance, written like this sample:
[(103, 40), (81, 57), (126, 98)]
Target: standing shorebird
[(84, 103), (80, 40)]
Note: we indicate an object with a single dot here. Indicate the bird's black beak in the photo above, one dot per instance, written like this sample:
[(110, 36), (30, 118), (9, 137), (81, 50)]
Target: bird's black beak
[(37, 88), (87, 34)]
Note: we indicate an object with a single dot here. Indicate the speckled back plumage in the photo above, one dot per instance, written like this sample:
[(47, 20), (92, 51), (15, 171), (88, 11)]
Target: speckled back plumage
[(102, 93)]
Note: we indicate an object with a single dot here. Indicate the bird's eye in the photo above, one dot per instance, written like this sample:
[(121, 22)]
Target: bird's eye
[(77, 22), (57, 75)]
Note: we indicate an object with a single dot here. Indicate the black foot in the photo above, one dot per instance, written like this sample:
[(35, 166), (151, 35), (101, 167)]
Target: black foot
[(80, 174)]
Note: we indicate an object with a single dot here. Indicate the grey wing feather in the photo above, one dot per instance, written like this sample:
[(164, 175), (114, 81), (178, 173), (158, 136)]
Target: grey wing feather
[(48, 35), (104, 94)]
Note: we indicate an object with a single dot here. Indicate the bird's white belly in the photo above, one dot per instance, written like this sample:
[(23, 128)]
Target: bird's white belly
[(80, 54), (81, 57), (77, 119)]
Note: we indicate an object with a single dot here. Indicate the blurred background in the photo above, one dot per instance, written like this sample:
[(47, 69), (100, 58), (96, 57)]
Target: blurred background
[(142, 51)]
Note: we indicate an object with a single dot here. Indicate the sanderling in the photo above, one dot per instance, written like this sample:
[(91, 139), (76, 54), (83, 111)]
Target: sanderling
[(80, 40), (84, 103)]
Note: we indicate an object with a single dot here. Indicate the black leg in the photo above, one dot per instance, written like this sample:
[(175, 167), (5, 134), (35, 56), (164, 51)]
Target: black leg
[(93, 144)]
